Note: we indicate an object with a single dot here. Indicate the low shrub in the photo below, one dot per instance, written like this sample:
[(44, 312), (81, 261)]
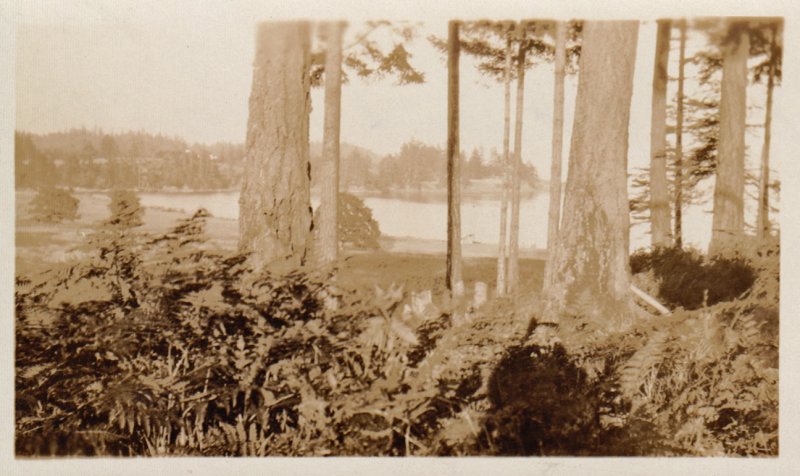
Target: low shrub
[(709, 377), (357, 227), (126, 210), (689, 280), (544, 404), (54, 205)]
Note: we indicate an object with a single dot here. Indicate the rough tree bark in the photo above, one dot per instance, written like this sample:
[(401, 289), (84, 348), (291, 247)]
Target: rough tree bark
[(502, 251), (512, 280), (554, 212), (590, 259), (679, 140), (453, 277), (659, 195), (329, 173), (728, 222), (762, 221), (275, 204)]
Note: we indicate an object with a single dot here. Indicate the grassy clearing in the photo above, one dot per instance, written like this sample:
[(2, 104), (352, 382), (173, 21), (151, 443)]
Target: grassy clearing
[(420, 271)]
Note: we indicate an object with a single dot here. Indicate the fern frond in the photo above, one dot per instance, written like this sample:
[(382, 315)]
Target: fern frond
[(638, 374)]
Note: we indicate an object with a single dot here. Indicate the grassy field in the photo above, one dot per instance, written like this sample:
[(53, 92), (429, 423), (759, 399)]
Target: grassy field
[(421, 271), (417, 264)]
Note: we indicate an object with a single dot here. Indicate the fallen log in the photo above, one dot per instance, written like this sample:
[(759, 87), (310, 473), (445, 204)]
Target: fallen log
[(653, 302)]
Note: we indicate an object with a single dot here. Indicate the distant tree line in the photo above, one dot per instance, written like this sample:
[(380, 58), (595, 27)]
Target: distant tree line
[(137, 160), (414, 167), (132, 160)]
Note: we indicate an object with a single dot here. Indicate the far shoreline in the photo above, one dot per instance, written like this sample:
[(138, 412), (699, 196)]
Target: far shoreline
[(485, 189), (38, 243)]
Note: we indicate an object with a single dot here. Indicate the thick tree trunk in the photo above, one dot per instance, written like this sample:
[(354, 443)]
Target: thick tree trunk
[(589, 262), (502, 251), (554, 212), (679, 141), (513, 239), (762, 222), (275, 203), (728, 222), (659, 195), (454, 281), (329, 173)]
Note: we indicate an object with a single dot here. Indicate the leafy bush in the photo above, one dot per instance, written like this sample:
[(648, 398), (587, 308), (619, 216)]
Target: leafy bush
[(161, 346), (695, 382), (710, 381), (687, 279), (356, 224), (709, 378), (357, 227), (544, 404), (54, 205)]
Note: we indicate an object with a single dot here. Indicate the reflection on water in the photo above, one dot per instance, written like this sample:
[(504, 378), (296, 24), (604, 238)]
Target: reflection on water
[(424, 215)]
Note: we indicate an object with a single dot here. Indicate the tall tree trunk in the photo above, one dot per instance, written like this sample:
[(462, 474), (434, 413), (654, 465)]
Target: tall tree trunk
[(728, 222), (454, 281), (275, 203), (554, 212), (762, 222), (329, 173), (513, 239), (590, 258), (679, 141), (659, 195), (501, 253)]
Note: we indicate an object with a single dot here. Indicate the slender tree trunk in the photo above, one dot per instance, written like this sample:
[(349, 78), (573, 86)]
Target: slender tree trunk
[(513, 240), (590, 258), (679, 141), (454, 281), (329, 173), (728, 222), (501, 254), (275, 203), (659, 195), (762, 223), (554, 212)]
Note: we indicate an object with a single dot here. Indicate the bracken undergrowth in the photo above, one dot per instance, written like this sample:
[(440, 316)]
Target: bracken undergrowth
[(161, 345)]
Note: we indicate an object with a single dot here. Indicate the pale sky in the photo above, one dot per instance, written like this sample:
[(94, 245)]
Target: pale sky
[(187, 71)]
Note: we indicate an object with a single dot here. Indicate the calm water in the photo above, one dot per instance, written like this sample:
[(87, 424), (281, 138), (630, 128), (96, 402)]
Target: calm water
[(401, 217)]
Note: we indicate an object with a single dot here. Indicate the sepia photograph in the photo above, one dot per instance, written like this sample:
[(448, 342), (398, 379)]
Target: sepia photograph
[(518, 234)]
